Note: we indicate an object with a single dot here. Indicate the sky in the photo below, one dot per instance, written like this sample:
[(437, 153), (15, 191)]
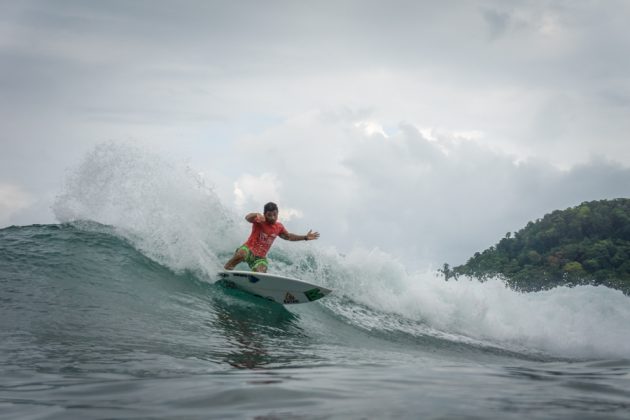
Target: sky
[(424, 129)]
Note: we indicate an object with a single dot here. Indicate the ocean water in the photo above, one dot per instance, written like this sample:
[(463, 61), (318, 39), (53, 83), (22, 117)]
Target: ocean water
[(112, 313)]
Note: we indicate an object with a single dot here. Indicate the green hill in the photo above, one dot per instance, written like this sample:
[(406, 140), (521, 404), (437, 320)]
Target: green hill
[(587, 244)]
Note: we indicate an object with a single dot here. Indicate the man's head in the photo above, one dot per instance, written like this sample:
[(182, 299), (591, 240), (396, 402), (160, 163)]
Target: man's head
[(271, 212)]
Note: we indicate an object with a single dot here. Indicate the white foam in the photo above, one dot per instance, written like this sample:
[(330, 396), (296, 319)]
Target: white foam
[(164, 208), (579, 322)]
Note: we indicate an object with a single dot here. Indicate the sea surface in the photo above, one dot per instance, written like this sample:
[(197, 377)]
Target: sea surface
[(112, 313), (93, 328)]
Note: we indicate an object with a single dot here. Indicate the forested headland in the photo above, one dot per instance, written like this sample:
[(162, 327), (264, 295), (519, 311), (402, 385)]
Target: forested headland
[(586, 244)]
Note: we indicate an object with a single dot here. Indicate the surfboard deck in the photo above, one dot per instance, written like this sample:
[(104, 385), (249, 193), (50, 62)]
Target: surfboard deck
[(280, 289)]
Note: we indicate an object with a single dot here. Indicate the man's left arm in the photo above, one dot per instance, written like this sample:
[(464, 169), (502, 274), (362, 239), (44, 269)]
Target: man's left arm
[(310, 236)]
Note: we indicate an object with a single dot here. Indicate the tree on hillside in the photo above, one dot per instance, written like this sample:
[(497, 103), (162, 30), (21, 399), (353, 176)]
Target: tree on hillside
[(586, 244)]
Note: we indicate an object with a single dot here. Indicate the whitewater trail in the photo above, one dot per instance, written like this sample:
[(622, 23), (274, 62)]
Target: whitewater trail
[(170, 214)]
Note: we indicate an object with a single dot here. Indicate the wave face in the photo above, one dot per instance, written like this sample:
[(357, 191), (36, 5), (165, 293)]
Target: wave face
[(123, 289), (89, 280)]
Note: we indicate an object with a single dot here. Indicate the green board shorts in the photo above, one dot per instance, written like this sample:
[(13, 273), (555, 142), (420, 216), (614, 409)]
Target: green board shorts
[(252, 260)]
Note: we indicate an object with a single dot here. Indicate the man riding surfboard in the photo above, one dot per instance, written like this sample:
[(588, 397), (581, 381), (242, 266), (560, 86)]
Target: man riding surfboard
[(265, 229)]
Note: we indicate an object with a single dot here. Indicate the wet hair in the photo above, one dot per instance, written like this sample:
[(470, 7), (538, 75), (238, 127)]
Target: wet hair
[(271, 207)]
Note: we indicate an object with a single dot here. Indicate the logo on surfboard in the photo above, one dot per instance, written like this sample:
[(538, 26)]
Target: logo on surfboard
[(289, 298)]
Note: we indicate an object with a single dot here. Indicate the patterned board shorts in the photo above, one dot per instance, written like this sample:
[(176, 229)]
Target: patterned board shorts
[(252, 260)]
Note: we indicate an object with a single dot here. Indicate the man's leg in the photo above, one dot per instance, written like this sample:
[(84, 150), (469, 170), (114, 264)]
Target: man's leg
[(261, 269), (239, 256), (260, 266)]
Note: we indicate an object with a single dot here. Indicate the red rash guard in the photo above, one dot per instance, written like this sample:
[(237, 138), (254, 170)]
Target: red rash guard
[(263, 235)]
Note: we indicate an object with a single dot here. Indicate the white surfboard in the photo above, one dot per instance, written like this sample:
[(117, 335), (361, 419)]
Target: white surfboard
[(280, 289)]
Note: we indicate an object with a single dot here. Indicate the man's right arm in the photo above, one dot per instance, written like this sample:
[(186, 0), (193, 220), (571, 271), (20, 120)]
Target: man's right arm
[(255, 217)]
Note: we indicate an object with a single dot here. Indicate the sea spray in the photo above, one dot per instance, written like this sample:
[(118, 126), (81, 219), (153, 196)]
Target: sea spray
[(164, 208)]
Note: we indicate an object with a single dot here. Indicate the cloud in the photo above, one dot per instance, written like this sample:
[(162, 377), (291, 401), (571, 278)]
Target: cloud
[(426, 200), (376, 124), (250, 188), (252, 192), (12, 200), (370, 128), (497, 22), (543, 82)]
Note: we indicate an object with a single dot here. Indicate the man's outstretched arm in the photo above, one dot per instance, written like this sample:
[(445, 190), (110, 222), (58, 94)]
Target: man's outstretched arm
[(310, 236)]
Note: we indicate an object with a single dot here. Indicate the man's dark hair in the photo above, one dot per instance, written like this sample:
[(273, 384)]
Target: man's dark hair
[(271, 207)]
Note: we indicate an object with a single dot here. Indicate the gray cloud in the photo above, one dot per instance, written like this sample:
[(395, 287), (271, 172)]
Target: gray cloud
[(430, 205), (289, 88), (428, 201)]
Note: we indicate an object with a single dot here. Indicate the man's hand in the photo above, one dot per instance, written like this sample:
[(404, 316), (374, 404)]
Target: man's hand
[(255, 218), (311, 236)]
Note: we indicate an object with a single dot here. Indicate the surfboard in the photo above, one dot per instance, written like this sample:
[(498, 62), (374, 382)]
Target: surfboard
[(284, 290)]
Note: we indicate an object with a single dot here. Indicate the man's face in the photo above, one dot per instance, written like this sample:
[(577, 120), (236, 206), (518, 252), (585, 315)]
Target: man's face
[(271, 216)]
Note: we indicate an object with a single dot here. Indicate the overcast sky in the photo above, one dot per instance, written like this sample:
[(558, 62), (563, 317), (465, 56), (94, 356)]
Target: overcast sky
[(426, 129)]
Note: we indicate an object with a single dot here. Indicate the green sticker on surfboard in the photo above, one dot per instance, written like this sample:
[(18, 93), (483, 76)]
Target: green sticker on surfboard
[(314, 294)]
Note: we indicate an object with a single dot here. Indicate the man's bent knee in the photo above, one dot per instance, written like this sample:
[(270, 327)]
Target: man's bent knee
[(239, 256)]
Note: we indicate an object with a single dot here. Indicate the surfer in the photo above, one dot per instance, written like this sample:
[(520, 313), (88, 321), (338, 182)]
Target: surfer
[(265, 229)]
